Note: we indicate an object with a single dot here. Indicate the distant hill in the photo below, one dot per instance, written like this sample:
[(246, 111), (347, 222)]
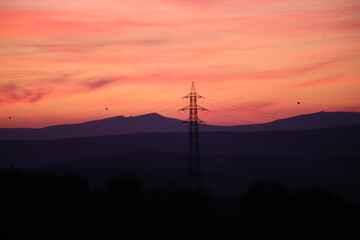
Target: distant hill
[(307, 121), (327, 157), (309, 144), (154, 122)]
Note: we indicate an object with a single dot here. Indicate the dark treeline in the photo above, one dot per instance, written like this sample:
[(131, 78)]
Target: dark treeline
[(65, 207)]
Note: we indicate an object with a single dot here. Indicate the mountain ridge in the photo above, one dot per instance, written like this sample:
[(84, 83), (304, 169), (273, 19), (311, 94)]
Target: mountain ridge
[(154, 122)]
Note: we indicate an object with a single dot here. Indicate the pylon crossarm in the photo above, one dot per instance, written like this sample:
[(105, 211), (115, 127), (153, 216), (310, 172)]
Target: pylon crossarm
[(196, 95), (193, 108), (201, 108), (185, 108)]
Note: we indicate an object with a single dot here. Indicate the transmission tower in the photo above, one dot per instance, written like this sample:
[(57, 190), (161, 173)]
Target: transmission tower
[(194, 164)]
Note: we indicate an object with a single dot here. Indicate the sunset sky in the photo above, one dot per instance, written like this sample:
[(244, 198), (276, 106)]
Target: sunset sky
[(253, 60)]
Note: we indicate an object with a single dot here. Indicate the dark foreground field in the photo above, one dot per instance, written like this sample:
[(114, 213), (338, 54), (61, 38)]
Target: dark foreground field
[(38, 206), (261, 185)]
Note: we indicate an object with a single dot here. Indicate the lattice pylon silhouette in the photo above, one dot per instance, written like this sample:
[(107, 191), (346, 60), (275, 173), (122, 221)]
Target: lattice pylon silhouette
[(194, 163)]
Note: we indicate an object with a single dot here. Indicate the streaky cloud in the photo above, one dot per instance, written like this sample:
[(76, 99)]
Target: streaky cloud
[(14, 92)]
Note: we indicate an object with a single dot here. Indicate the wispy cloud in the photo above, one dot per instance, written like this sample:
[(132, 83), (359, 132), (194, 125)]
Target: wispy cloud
[(12, 92), (99, 83), (325, 81), (285, 73)]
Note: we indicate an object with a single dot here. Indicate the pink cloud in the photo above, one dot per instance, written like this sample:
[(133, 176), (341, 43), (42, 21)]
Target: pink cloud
[(43, 23), (14, 92), (325, 81), (286, 73)]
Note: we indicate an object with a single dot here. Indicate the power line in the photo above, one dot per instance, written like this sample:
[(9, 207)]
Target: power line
[(246, 110)]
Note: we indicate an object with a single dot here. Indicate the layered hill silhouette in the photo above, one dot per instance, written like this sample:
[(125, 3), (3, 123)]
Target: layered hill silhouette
[(325, 157), (306, 144), (153, 122)]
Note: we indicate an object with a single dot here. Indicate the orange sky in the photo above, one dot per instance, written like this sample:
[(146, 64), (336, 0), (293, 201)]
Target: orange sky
[(253, 60)]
